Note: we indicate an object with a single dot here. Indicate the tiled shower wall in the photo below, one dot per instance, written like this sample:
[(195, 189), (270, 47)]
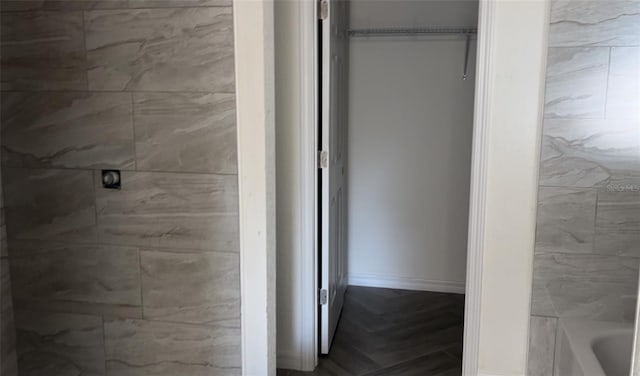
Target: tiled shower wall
[(142, 280), (587, 247)]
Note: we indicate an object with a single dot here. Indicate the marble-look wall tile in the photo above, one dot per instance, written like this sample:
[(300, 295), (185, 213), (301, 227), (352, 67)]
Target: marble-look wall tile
[(179, 49), (591, 143), (8, 359), (566, 363), (59, 344), (585, 286), (594, 23), (618, 223), (542, 342), (75, 130), (541, 303), (42, 51), (50, 204), (576, 82), (170, 210), (590, 152), (101, 280), (200, 288), (178, 3), (32, 5), (186, 132), (623, 95), (140, 348), (565, 220)]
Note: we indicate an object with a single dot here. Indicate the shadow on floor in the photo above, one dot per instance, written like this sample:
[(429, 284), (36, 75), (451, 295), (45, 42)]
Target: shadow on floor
[(395, 333)]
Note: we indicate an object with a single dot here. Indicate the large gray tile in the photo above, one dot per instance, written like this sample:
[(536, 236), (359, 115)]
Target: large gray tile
[(586, 286), (25, 5), (179, 49), (566, 363), (8, 359), (50, 204), (101, 280), (200, 288), (565, 221), (590, 153), (576, 82), (59, 344), (136, 348), (623, 95), (618, 223), (542, 342), (178, 3), (42, 51), (594, 23), (541, 303), (170, 210), (185, 132), (76, 130)]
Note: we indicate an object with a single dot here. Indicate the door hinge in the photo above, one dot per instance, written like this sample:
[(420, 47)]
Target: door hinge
[(323, 159), (322, 297), (323, 9)]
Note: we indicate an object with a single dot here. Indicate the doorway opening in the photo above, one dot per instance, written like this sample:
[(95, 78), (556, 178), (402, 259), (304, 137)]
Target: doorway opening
[(395, 123)]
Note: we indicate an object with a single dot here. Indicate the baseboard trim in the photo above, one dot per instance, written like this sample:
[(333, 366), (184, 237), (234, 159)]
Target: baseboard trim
[(392, 282)]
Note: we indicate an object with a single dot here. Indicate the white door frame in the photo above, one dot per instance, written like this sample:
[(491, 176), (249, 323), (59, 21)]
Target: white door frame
[(253, 26), (477, 200), (255, 107), (309, 82)]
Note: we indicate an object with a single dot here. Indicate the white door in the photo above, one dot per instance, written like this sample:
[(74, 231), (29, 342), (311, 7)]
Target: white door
[(333, 255)]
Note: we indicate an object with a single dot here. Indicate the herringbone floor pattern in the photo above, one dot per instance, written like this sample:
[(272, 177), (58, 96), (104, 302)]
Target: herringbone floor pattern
[(385, 332)]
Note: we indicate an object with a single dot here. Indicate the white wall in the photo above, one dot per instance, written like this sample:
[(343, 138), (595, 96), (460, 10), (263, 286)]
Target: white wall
[(410, 128), (412, 13)]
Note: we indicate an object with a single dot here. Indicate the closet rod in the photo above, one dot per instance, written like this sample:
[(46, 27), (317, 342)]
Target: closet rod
[(411, 31)]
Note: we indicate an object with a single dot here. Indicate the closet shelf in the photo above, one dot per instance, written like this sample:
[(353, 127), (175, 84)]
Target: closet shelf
[(436, 30), (411, 31)]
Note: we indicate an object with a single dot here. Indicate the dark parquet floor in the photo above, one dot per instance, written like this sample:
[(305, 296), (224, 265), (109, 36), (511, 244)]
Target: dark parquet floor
[(386, 332)]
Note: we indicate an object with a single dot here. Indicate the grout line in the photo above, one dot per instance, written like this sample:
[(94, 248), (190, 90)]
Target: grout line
[(586, 254), (176, 92), (133, 129), (126, 169), (595, 220), (104, 345), (84, 46), (120, 9), (544, 316), (140, 271), (209, 324), (555, 343), (146, 248), (573, 187), (26, 306), (606, 90), (595, 212), (94, 179)]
